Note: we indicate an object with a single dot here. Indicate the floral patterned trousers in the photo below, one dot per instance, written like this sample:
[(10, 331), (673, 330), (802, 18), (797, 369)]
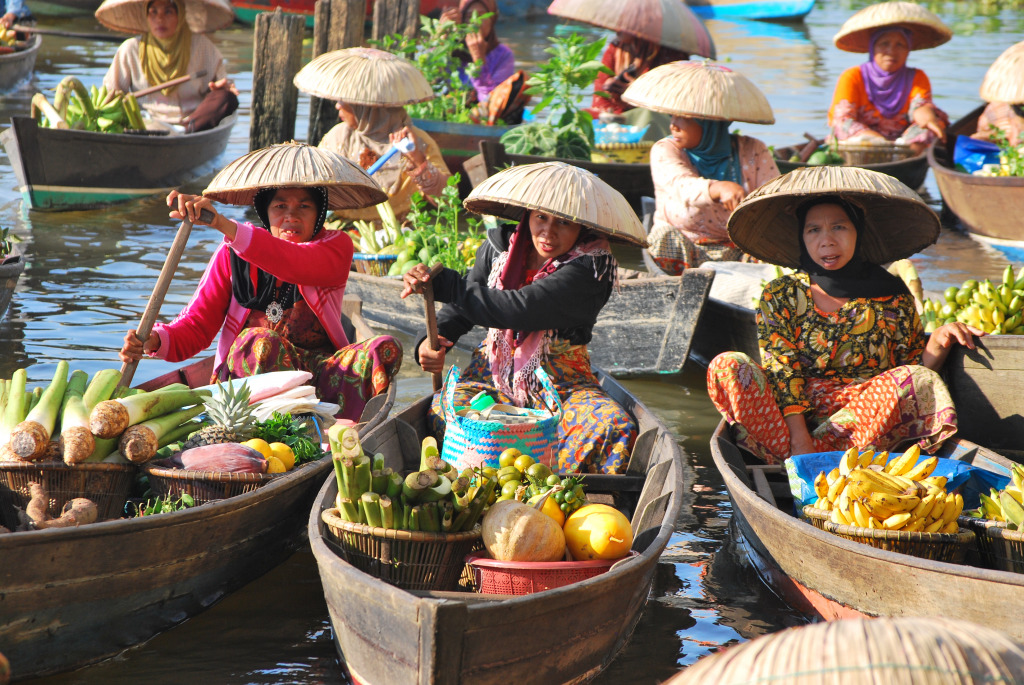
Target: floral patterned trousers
[(907, 403)]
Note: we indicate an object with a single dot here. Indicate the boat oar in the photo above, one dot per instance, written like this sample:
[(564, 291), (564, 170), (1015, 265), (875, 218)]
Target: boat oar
[(428, 301), (108, 37), (156, 299), (173, 82)]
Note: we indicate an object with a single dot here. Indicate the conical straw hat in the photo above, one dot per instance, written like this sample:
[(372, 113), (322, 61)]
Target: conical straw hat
[(665, 22), (926, 29), (1004, 80), (129, 16), (700, 89), (897, 221), (561, 190), (295, 165), (364, 76)]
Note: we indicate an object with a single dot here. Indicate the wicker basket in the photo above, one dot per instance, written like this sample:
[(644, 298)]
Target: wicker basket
[(951, 547), (410, 560), (108, 485), (998, 547), (525, 577), (860, 154), (627, 153), (203, 486), (373, 264)]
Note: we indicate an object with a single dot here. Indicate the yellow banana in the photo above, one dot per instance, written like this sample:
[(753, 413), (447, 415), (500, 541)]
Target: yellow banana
[(938, 506), (837, 517), (836, 488), (951, 528), (1017, 474), (865, 458), (860, 514), (880, 482), (896, 521), (820, 484), (903, 463), (832, 475), (1015, 492), (924, 506), (822, 503), (934, 526), (953, 507), (905, 482), (882, 506), (914, 526), (873, 522), (848, 461), (937, 481), (880, 459), (922, 470)]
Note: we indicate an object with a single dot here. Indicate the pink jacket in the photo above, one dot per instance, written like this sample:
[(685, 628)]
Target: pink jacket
[(320, 266)]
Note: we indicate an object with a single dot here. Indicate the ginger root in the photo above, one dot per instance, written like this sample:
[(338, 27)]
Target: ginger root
[(77, 512)]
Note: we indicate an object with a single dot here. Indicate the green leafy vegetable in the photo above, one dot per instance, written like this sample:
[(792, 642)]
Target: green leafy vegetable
[(292, 432), (164, 505)]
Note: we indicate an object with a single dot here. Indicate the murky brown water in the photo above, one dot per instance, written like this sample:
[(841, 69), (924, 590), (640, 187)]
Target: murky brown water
[(89, 275)]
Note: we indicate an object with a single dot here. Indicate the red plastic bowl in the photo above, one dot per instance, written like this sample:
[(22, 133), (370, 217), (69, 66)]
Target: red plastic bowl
[(526, 577)]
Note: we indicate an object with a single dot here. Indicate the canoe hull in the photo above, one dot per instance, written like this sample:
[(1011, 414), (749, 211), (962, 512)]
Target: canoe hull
[(830, 577), (18, 66), (565, 635), (724, 327), (65, 170), (246, 11), (776, 10), (646, 327), (10, 272), (911, 172)]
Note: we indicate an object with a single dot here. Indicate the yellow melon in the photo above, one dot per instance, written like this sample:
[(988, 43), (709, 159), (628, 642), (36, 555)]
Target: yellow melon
[(597, 531)]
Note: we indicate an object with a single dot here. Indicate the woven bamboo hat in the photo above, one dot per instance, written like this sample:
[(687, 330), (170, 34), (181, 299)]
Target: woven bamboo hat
[(665, 22), (364, 76), (897, 221), (295, 165), (561, 190), (926, 29), (866, 650), (1004, 80), (700, 89), (129, 16)]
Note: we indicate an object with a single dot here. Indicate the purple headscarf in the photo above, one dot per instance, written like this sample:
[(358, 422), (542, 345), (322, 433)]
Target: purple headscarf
[(887, 90)]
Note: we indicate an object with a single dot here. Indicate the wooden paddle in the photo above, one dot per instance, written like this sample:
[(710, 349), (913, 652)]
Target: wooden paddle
[(428, 301), (173, 82), (108, 37), (156, 299)]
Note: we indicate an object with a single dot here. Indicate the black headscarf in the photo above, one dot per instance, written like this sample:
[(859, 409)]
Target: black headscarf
[(858, 278), (257, 291)]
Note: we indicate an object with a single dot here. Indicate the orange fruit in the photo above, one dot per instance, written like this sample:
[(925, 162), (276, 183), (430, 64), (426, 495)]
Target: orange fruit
[(284, 453), (275, 465), (260, 446), (523, 462)]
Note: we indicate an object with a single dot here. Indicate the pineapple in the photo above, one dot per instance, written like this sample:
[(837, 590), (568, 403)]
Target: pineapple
[(231, 415)]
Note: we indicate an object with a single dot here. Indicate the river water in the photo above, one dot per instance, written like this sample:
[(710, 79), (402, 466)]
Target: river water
[(89, 275)]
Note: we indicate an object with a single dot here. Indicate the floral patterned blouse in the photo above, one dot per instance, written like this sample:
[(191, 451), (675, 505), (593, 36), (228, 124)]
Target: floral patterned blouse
[(861, 339)]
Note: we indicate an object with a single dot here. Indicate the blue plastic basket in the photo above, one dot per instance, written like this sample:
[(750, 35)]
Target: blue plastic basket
[(623, 133), (373, 264)]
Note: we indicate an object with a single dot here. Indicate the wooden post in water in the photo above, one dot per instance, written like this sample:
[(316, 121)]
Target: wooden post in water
[(337, 24), (276, 58), (395, 16)]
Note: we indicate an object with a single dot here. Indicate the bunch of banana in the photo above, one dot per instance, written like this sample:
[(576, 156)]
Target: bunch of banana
[(89, 110), (985, 305), (1005, 505), (8, 37), (871, 490)]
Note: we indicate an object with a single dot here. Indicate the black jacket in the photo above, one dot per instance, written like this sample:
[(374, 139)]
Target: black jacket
[(566, 301)]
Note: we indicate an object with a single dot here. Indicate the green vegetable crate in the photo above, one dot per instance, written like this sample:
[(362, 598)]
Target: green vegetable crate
[(373, 264)]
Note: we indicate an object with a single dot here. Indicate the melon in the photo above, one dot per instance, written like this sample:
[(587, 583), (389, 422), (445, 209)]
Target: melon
[(598, 531), (513, 531)]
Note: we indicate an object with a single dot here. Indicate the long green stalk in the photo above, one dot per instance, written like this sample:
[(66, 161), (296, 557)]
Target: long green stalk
[(387, 512), (14, 412), (140, 442), (104, 447), (100, 388), (111, 418), (76, 440), (370, 502), (30, 437)]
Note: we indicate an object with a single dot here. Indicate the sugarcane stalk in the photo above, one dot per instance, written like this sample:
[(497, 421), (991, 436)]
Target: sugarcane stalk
[(378, 462), (394, 485), (414, 518), (339, 476), (348, 510), (379, 481), (348, 472)]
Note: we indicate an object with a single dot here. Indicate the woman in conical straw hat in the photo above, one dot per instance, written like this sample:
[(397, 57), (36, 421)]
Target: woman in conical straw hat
[(883, 99), (274, 292), (701, 172), (538, 286), (171, 44), (371, 88), (1003, 89), (844, 359)]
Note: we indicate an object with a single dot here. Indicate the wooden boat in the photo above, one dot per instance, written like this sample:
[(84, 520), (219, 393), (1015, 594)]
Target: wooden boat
[(10, 271), (15, 67), (565, 635), (829, 577), (632, 180), (74, 596), (62, 169), (646, 327), (982, 203), (911, 171), (246, 11), (775, 10)]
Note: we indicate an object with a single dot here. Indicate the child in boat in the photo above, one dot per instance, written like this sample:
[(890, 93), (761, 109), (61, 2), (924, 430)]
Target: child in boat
[(15, 11), (538, 288), (844, 359), (883, 99), (275, 292), (172, 44), (701, 172)]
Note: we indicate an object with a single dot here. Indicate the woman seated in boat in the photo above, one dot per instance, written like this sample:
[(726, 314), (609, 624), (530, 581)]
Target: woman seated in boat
[(15, 11), (701, 172), (172, 46), (883, 99), (370, 100), (275, 291), (495, 64), (537, 287), (628, 57), (1003, 117), (844, 359)]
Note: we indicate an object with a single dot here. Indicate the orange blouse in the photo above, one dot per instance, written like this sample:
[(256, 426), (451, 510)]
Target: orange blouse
[(852, 112)]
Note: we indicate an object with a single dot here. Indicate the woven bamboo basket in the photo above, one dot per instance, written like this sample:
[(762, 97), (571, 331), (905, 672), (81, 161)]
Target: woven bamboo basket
[(951, 547), (108, 485), (860, 154), (628, 153), (203, 486), (998, 547), (411, 560), (373, 264)]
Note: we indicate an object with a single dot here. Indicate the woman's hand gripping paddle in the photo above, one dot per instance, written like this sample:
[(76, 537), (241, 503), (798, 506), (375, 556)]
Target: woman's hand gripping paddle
[(428, 301)]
